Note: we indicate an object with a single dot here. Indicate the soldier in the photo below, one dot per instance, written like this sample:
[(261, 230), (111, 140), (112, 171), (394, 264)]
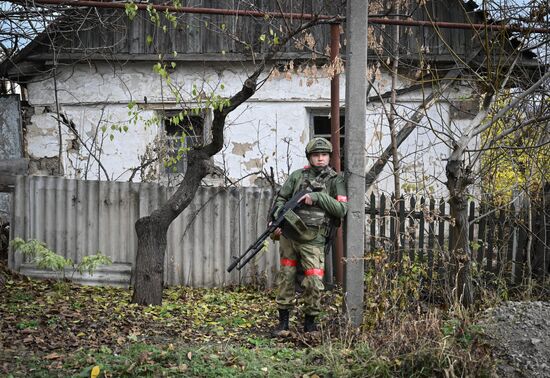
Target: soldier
[(305, 232)]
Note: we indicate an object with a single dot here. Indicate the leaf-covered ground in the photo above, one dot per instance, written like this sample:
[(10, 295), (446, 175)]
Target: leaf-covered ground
[(53, 321), (50, 329)]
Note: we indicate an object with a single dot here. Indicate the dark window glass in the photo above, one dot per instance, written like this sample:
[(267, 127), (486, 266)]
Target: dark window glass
[(321, 128), (321, 125), (183, 132)]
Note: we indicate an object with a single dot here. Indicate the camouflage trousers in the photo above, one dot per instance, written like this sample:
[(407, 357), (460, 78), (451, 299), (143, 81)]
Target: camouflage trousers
[(311, 256)]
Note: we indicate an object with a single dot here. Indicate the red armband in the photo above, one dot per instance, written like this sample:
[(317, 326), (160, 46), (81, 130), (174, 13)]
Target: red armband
[(342, 198)]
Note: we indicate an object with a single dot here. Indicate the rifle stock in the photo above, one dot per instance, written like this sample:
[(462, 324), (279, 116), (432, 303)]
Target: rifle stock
[(256, 247)]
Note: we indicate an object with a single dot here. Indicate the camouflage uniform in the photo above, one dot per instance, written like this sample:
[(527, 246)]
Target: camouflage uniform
[(329, 202)]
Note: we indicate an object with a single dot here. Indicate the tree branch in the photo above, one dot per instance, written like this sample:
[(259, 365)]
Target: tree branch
[(511, 105), (408, 128), (249, 88)]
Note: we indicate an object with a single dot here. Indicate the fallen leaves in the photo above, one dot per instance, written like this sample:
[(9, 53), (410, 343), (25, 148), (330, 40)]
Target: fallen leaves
[(53, 321), (95, 372), (74, 316), (52, 356), (145, 358)]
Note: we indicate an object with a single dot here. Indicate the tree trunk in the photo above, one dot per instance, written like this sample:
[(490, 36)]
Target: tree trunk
[(458, 179), (152, 233), (397, 245), (152, 230), (149, 268), (459, 270)]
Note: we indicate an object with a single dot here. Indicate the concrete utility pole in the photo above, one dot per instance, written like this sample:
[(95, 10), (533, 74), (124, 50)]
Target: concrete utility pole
[(356, 100)]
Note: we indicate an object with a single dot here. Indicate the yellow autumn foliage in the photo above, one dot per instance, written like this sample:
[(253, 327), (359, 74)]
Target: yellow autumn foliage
[(520, 162), (95, 372)]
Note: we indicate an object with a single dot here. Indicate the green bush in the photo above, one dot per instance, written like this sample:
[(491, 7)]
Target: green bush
[(38, 253)]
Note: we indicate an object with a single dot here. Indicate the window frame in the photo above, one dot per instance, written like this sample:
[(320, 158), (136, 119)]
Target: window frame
[(325, 112), (164, 122)]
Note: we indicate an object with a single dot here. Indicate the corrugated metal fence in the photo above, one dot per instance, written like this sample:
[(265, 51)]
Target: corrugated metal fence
[(77, 218)]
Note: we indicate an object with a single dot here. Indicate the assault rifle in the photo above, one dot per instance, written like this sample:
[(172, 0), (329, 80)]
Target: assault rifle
[(257, 246)]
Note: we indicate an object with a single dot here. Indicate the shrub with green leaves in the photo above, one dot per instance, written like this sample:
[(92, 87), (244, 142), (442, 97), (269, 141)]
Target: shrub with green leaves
[(38, 253), (90, 263)]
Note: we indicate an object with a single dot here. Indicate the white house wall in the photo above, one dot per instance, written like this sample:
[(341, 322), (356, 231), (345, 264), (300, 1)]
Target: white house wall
[(257, 134), (422, 154)]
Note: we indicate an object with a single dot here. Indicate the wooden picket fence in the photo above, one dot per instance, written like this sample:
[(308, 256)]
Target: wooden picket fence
[(499, 237)]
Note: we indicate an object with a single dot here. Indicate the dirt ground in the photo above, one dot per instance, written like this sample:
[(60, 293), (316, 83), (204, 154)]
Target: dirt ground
[(85, 317), (519, 333)]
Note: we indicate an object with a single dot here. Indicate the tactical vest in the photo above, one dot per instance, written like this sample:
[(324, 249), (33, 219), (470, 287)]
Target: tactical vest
[(313, 217)]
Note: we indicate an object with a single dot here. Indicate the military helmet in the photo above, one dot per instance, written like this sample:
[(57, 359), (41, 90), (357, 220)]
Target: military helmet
[(318, 145)]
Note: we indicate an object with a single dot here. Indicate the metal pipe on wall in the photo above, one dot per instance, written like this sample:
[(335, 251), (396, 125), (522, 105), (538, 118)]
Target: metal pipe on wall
[(174, 9), (335, 138), (298, 16)]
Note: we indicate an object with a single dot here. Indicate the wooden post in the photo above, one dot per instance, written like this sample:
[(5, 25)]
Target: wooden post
[(383, 238), (412, 234), (372, 213), (431, 239)]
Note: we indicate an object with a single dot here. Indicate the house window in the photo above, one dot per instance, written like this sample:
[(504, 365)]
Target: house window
[(184, 130), (320, 127)]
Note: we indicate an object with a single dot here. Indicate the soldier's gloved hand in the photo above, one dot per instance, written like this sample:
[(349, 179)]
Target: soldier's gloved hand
[(306, 198)]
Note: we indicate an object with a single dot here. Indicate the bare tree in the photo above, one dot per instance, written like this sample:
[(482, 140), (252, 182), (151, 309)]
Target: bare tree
[(504, 76), (505, 84)]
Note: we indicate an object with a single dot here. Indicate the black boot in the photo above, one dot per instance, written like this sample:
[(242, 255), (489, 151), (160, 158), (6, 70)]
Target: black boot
[(282, 329), (309, 324)]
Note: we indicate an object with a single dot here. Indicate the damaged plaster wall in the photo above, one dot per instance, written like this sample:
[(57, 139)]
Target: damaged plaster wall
[(268, 132), (91, 148)]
